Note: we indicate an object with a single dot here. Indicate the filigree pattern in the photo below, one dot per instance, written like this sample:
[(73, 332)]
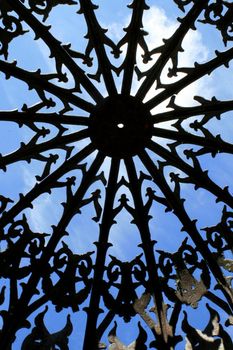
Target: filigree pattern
[(98, 161), (40, 338)]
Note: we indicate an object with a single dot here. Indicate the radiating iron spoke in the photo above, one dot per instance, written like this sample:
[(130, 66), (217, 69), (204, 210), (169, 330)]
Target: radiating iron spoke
[(211, 144), (48, 118), (193, 74), (76, 201), (188, 224), (40, 84), (56, 48), (213, 108), (31, 150), (45, 185), (134, 35), (197, 176), (97, 37), (91, 340), (142, 222), (93, 144), (21, 309), (171, 48)]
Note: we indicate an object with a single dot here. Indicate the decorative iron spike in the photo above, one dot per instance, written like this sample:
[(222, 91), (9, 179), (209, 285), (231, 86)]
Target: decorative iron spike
[(101, 158)]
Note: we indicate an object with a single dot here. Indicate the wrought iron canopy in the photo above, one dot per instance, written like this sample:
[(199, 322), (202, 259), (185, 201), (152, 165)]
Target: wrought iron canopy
[(108, 132)]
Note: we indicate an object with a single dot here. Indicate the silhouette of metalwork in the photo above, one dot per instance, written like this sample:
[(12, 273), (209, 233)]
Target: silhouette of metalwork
[(162, 154)]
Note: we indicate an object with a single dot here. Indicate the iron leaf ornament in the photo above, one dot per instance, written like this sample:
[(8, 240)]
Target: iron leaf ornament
[(104, 147)]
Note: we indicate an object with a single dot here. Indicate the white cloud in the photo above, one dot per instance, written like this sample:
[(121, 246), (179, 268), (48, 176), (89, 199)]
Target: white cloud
[(46, 210), (161, 27), (156, 23)]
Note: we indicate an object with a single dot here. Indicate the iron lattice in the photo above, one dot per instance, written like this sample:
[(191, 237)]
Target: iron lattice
[(110, 154)]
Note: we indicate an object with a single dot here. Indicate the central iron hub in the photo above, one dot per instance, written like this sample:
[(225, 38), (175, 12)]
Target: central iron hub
[(120, 126)]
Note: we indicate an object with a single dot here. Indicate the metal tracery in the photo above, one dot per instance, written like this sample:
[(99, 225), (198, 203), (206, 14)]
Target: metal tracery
[(102, 151)]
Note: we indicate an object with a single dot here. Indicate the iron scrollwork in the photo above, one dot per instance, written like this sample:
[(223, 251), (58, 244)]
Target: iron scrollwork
[(104, 156)]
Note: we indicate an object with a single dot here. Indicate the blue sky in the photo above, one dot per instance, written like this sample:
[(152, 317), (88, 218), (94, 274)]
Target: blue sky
[(160, 22)]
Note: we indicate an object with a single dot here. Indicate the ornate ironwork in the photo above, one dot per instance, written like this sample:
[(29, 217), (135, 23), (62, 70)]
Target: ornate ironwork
[(103, 152)]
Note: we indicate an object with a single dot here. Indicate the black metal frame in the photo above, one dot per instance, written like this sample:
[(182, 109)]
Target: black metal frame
[(123, 128)]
